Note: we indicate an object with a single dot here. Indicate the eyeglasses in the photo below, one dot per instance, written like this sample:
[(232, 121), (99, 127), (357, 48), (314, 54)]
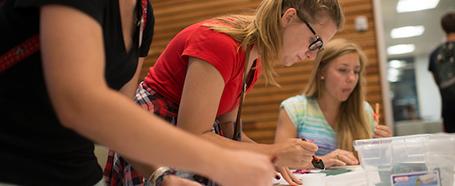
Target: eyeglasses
[(316, 42)]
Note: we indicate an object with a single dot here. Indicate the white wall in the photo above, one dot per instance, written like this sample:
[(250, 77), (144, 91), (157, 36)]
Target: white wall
[(427, 90)]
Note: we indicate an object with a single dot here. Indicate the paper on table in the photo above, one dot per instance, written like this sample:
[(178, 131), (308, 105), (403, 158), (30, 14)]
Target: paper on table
[(350, 176)]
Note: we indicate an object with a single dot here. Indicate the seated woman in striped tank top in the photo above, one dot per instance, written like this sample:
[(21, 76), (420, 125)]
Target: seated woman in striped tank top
[(332, 111)]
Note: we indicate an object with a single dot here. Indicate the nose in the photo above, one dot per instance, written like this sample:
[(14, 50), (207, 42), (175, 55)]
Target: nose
[(311, 55), (352, 77)]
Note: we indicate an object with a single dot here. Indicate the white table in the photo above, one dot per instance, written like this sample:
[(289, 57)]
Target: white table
[(357, 177)]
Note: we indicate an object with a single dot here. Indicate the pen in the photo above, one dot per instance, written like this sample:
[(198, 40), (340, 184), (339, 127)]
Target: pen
[(317, 162), (377, 113)]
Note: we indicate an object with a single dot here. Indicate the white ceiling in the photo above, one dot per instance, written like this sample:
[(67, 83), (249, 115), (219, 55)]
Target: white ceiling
[(429, 18)]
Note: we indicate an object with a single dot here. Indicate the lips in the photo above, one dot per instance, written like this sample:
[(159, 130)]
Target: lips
[(345, 93), (346, 90)]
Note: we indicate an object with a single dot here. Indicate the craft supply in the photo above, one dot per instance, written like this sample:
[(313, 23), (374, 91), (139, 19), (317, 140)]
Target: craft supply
[(301, 171), (317, 163), (335, 171), (377, 114)]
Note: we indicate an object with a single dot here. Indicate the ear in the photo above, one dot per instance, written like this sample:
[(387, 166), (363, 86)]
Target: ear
[(323, 73), (288, 16)]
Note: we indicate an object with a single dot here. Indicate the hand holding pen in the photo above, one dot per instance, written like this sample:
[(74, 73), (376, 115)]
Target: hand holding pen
[(380, 131), (316, 162), (376, 113), (289, 176), (293, 152), (339, 157)]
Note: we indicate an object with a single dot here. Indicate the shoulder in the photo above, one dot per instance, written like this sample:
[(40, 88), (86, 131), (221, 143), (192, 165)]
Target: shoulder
[(432, 59), (295, 108), (218, 49), (298, 99), (94, 9), (299, 104), (367, 107), (442, 48), (435, 51), (204, 36), (369, 112)]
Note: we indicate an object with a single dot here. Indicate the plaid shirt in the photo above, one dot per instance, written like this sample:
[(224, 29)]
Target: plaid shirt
[(118, 171)]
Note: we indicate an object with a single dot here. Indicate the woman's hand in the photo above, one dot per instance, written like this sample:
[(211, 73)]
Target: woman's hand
[(382, 131), (288, 176), (339, 157), (293, 152)]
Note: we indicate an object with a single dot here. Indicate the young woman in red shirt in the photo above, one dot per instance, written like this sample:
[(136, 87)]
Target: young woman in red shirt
[(196, 83)]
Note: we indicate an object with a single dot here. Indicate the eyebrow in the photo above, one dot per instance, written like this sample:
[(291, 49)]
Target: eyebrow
[(344, 64)]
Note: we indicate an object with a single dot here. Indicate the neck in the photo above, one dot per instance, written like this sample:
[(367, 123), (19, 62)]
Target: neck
[(451, 37), (329, 104)]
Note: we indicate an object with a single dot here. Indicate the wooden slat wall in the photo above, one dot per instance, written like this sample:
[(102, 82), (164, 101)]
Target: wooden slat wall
[(262, 103)]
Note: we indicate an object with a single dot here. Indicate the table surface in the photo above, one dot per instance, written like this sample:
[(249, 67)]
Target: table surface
[(354, 169)]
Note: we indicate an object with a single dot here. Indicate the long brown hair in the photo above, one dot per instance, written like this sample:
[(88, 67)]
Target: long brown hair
[(351, 123), (263, 29)]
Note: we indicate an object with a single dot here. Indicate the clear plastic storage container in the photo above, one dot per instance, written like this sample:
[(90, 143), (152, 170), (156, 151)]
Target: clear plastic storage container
[(440, 155), (426, 159)]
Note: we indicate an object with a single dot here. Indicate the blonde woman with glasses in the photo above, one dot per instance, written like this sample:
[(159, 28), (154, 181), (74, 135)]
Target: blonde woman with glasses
[(198, 81), (332, 112)]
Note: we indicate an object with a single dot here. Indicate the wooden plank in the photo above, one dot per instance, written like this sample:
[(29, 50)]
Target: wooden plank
[(259, 126)]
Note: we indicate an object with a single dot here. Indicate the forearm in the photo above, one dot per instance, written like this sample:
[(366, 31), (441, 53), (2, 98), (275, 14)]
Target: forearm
[(231, 144), (284, 128), (228, 130), (149, 139), (85, 104)]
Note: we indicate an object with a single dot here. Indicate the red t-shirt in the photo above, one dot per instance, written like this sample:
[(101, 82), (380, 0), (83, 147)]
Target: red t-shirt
[(167, 76)]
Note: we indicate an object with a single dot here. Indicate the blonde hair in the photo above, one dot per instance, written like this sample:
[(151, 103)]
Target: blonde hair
[(264, 28), (351, 123)]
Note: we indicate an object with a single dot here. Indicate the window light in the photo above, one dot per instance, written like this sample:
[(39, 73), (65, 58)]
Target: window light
[(400, 49), (415, 5), (397, 64), (393, 75), (407, 31)]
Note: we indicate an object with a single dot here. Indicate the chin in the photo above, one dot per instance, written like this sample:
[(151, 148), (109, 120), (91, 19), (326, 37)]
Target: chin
[(285, 64), (288, 64), (343, 99)]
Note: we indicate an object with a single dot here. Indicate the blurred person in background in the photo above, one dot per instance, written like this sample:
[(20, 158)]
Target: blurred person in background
[(442, 66)]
